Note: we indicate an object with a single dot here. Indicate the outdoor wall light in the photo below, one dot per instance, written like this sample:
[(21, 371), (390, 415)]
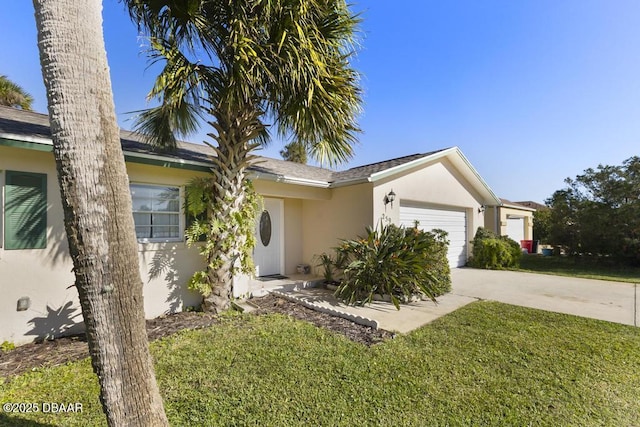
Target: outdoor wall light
[(389, 198), (23, 304), (481, 209)]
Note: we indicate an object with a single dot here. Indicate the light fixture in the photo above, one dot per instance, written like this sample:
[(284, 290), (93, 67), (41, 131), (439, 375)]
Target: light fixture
[(389, 198), (481, 209)]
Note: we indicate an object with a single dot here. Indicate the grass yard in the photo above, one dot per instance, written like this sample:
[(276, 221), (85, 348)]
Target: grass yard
[(485, 364), (576, 267)]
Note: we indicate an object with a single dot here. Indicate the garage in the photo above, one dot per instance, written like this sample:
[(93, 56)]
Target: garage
[(454, 222), (515, 228)]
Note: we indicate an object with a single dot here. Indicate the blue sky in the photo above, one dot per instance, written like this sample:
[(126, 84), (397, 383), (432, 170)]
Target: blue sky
[(531, 91)]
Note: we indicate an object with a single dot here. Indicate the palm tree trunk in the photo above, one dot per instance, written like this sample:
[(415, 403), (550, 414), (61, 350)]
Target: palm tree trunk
[(97, 207), (233, 156)]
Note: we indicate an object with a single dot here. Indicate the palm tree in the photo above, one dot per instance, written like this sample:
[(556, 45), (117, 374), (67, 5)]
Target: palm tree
[(247, 65), (295, 152), (97, 208), (12, 95)]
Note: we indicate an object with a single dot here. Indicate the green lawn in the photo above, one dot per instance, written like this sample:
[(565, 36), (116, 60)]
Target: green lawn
[(577, 267), (485, 364)]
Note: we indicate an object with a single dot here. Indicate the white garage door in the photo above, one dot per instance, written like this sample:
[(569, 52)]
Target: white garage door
[(515, 229), (451, 221)]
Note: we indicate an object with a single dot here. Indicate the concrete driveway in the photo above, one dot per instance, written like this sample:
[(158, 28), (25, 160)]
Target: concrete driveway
[(598, 299)]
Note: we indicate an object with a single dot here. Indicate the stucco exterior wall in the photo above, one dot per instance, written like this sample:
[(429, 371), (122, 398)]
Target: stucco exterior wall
[(344, 216), (45, 275), (293, 235), (491, 222), (42, 275), (292, 191)]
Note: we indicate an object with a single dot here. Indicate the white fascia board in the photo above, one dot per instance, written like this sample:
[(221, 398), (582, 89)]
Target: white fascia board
[(166, 159), (49, 141), (352, 181), (518, 207), (491, 199), (27, 138), (265, 176), (305, 182)]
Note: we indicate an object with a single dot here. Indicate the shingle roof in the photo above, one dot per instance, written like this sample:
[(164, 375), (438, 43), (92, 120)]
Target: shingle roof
[(292, 169), (36, 125), (368, 170), (509, 203), (533, 205), (24, 123)]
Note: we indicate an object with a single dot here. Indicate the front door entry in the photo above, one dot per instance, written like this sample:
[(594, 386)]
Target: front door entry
[(267, 254)]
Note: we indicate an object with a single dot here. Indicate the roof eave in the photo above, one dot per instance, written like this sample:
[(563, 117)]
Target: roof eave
[(26, 138), (158, 159), (519, 207), (351, 181), (274, 177), (469, 172), (490, 198)]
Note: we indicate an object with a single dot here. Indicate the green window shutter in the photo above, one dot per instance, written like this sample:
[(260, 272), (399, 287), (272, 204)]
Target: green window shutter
[(25, 212)]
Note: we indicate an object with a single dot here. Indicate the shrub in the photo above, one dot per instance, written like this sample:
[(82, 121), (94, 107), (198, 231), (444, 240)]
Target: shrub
[(396, 261), (327, 263), (494, 252)]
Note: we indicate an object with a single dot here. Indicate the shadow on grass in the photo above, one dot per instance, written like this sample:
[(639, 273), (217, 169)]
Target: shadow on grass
[(11, 421), (586, 267)]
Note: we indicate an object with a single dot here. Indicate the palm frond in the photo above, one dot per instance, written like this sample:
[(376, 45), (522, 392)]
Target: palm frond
[(182, 20), (160, 125), (13, 95), (317, 93), (289, 60)]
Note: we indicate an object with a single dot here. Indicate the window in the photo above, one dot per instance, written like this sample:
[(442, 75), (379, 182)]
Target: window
[(156, 211), (25, 213)]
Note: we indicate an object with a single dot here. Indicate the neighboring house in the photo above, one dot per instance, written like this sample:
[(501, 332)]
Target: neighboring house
[(307, 210), (510, 219), (534, 205)]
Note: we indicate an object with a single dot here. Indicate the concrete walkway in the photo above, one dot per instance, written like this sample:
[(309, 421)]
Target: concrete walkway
[(611, 301), (378, 314)]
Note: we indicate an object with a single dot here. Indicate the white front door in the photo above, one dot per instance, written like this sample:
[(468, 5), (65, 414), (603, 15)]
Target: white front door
[(268, 253)]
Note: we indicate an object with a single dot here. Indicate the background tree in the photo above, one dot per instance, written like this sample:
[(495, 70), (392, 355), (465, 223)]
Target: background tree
[(97, 208), (295, 152), (243, 64), (12, 95), (599, 212), (541, 224)]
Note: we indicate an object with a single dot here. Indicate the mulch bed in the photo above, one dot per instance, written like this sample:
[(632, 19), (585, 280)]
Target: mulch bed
[(68, 349), (355, 332)]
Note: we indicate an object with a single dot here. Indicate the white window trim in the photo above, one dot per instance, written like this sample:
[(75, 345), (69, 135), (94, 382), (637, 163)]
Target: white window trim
[(181, 220)]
